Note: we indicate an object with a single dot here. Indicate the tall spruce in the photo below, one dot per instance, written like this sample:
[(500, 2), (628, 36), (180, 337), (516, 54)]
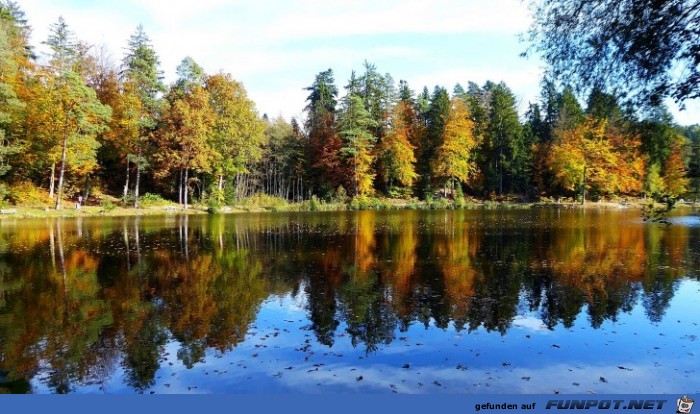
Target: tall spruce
[(140, 69), (355, 126), (326, 171), (503, 147)]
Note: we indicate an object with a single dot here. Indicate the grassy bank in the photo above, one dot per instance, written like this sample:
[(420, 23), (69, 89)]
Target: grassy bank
[(263, 203)]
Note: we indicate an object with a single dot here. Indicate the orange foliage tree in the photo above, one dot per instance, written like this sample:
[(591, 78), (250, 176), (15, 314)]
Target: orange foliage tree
[(595, 157)]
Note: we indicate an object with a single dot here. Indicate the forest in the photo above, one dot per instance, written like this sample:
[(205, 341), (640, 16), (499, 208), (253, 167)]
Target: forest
[(75, 125)]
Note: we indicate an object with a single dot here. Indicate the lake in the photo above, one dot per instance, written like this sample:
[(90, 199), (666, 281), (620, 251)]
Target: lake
[(523, 301)]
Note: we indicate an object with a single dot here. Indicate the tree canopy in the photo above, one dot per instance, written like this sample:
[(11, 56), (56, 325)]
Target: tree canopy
[(646, 50)]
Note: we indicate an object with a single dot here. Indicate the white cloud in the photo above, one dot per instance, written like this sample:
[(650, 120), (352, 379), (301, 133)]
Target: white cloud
[(276, 48), (332, 19)]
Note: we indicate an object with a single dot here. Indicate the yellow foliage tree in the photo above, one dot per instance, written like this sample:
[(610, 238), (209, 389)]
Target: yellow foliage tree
[(396, 148), (675, 177), (454, 159), (593, 156)]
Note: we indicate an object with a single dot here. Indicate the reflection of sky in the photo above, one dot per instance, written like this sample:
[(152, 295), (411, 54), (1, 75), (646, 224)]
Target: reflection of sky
[(631, 355)]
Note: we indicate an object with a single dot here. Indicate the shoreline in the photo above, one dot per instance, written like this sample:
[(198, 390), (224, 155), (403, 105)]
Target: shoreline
[(20, 212)]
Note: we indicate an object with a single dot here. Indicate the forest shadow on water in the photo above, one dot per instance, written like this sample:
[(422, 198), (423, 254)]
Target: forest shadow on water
[(536, 301)]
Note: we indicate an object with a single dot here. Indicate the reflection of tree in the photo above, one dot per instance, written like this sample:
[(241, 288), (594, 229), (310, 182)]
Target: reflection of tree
[(322, 308), (368, 313), (665, 252), (79, 300), (142, 351), (556, 302), (55, 314), (209, 297), (499, 263), (397, 255), (459, 248)]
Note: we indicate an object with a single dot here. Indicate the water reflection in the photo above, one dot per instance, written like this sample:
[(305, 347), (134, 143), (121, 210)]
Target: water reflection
[(82, 301)]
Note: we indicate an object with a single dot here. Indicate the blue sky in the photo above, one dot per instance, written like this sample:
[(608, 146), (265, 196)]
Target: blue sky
[(277, 47)]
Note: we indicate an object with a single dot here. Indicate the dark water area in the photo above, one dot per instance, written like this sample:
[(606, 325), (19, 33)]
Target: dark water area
[(533, 301)]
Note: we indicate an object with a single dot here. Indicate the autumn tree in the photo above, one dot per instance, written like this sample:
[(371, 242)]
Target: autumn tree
[(560, 112), (664, 148), (433, 111), (325, 162), (78, 114), (187, 126), (675, 173), (397, 149), (455, 160), (124, 131), (591, 157), (282, 167), (354, 126), (238, 133), (13, 38)]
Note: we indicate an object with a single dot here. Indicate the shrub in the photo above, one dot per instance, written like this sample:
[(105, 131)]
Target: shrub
[(314, 204), (213, 206), (4, 193), (400, 192), (439, 204), (107, 205), (265, 201), (27, 194), (341, 196), (370, 203), (153, 200)]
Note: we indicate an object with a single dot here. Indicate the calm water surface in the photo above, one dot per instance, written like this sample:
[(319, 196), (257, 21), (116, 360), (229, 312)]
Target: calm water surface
[(531, 301)]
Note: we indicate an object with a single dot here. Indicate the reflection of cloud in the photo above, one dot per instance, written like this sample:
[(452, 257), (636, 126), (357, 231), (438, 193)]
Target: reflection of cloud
[(689, 221), (529, 322), (381, 378)]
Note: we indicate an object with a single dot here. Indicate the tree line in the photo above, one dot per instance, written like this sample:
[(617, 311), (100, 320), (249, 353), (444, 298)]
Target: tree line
[(77, 124)]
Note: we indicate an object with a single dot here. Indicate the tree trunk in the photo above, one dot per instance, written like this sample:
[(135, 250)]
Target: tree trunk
[(357, 186), (62, 172), (186, 188), (52, 183), (126, 181), (138, 246), (86, 192), (62, 257), (583, 190), (500, 169), (221, 182), (138, 179), (179, 189)]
